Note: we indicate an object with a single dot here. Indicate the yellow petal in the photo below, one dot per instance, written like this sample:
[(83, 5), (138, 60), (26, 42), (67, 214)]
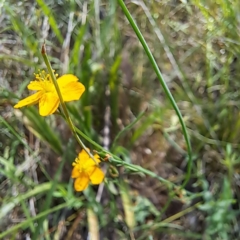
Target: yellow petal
[(75, 172), (48, 104), (66, 79), (91, 163), (72, 91), (81, 183), (83, 154), (33, 99), (90, 169), (97, 158), (35, 85), (87, 161), (97, 176)]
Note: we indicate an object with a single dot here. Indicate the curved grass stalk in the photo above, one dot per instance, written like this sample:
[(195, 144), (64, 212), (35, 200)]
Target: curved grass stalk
[(163, 84)]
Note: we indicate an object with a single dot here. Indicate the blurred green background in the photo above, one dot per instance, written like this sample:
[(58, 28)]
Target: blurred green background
[(196, 45)]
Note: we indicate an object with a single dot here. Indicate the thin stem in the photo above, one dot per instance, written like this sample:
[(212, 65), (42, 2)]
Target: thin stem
[(164, 86), (132, 167), (62, 103), (128, 127)]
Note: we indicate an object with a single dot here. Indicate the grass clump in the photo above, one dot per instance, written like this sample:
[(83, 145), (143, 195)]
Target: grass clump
[(169, 151)]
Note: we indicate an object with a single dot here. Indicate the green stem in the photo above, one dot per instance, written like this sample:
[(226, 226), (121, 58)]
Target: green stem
[(62, 103), (164, 86), (127, 128), (132, 167)]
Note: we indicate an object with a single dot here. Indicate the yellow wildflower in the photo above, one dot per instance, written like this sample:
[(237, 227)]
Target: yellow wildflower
[(46, 94), (85, 170)]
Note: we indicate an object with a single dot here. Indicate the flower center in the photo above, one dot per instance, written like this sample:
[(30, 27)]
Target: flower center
[(45, 80)]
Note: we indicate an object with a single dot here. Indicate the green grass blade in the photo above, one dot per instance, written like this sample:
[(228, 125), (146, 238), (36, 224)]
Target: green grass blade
[(27, 222), (127, 128), (6, 208), (163, 84), (47, 11), (17, 59), (43, 130), (54, 184)]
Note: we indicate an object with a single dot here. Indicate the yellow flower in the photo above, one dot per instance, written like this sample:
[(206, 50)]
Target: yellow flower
[(85, 170), (46, 94)]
